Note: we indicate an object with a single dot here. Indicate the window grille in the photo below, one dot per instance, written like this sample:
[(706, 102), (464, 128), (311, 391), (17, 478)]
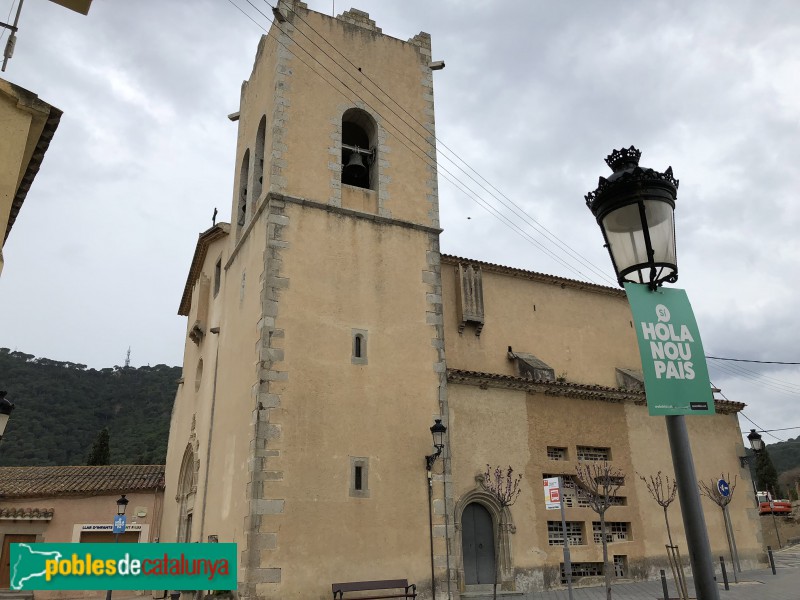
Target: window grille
[(615, 532), (555, 453), (593, 453), (620, 565), (583, 569), (555, 535)]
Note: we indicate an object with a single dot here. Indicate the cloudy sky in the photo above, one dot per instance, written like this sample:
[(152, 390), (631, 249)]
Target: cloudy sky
[(534, 96)]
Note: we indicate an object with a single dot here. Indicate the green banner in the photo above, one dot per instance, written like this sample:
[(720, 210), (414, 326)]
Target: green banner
[(673, 362), (123, 566)]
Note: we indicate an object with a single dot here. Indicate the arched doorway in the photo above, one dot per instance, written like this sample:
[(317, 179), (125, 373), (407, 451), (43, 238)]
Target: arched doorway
[(477, 543)]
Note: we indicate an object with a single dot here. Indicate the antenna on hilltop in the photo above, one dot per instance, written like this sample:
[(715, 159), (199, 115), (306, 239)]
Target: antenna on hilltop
[(128, 358)]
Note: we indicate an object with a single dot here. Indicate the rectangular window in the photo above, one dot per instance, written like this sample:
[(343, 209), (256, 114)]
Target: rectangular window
[(359, 477), (620, 565), (615, 532), (583, 569), (217, 276), (359, 481), (593, 453), (556, 453), (573, 496), (555, 534)]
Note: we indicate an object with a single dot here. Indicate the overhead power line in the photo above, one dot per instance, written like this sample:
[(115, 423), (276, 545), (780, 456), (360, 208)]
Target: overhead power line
[(745, 360), (759, 427), (781, 429)]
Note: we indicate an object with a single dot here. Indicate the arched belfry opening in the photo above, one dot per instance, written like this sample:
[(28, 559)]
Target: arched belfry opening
[(244, 174), (258, 163), (359, 149)]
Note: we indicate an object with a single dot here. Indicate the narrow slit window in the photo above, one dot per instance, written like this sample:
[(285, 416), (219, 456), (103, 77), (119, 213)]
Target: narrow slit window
[(359, 347), (217, 276), (359, 477)]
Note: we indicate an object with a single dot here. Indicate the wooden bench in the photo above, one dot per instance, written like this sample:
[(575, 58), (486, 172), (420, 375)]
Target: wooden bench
[(388, 585)]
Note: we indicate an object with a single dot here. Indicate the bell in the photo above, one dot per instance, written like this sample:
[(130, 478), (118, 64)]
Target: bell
[(355, 166)]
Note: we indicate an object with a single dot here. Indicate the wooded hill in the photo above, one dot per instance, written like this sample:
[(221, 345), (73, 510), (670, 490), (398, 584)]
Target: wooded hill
[(62, 406)]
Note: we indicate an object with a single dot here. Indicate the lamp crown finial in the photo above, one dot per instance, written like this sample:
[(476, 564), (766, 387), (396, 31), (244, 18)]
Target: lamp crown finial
[(624, 158)]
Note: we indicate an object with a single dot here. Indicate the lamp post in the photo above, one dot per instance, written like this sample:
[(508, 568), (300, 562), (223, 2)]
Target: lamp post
[(757, 445), (437, 432), (6, 406), (122, 504), (634, 208)]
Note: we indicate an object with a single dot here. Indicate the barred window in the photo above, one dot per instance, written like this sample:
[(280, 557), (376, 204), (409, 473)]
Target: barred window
[(572, 494), (556, 453), (620, 565), (610, 480), (555, 534), (593, 453), (618, 501), (583, 569), (615, 532)]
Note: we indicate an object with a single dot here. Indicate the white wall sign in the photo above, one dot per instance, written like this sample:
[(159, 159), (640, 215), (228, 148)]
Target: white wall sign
[(552, 493)]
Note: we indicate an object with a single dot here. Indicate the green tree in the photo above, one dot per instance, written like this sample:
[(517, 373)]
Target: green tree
[(100, 453), (766, 475)]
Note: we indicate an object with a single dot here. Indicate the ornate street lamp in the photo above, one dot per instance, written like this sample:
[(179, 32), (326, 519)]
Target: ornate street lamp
[(634, 208), (756, 443), (437, 431), (122, 504), (6, 406)]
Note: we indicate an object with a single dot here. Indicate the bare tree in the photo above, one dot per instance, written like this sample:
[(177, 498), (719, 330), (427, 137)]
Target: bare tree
[(505, 490), (600, 482), (714, 493), (663, 490)]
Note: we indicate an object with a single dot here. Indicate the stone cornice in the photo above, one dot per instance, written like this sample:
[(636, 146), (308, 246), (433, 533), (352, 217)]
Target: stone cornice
[(535, 276), (565, 388)]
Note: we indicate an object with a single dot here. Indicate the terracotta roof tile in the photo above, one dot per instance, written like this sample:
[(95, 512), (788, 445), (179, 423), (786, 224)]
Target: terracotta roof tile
[(26, 514), (536, 276), (35, 482)]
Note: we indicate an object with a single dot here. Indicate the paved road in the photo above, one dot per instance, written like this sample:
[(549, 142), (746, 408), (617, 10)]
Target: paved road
[(760, 584)]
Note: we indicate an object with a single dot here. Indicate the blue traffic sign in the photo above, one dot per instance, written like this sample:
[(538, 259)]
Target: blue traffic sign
[(119, 524), (724, 488)]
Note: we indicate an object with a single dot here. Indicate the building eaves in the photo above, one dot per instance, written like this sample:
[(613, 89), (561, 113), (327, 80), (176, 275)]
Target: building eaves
[(205, 240), (42, 144), (565, 388), (39, 482), (535, 276)]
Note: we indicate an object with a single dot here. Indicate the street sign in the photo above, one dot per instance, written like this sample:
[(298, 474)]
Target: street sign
[(724, 488), (119, 524), (552, 493), (673, 362)]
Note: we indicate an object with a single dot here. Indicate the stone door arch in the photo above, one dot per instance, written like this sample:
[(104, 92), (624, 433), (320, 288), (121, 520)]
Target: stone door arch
[(465, 510)]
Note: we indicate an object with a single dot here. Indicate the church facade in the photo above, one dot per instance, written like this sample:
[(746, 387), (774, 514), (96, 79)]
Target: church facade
[(326, 333)]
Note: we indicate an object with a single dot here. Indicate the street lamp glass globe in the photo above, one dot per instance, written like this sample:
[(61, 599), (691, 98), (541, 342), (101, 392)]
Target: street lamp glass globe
[(122, 504), (756, 443), (625, 234), (437, 431)]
